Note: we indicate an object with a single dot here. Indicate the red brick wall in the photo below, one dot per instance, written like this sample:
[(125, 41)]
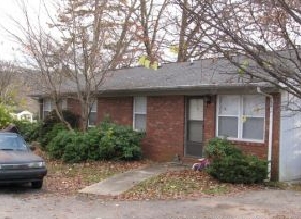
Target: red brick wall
[(165, 122), (166, 125), (209, 119), (119, 110), (165, 128)]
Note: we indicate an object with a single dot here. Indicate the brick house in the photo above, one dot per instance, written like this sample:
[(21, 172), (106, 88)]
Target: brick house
[(183, 105)]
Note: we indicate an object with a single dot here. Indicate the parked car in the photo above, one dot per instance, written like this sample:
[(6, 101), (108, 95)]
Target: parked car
[(18, 164)]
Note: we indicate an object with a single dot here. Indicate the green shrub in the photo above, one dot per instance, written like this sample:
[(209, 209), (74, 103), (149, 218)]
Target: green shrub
[(52, 132), (77, 150), (93, 139), (221, 147), (229, 164), (72, 118), (52, 120), (119, 142), (30, 131), (105, 142), (69, 146), (56, 146)]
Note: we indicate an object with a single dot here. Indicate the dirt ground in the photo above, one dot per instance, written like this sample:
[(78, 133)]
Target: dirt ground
[(261, 204)]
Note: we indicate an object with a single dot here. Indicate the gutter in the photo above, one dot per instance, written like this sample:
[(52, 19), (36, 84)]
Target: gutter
[(270, 132)]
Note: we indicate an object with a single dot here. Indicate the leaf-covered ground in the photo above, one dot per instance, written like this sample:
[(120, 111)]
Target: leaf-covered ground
[(67, 179), (183, 184)]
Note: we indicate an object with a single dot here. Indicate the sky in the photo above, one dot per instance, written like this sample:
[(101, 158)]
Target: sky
[(9, 50)]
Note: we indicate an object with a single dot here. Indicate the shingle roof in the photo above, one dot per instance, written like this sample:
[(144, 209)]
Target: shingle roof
[(201, 74)]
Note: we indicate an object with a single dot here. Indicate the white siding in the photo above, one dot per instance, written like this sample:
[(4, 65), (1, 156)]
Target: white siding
[(290, 141)]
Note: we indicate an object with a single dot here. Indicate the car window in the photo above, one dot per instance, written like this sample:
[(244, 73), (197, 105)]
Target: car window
[(12, 142)]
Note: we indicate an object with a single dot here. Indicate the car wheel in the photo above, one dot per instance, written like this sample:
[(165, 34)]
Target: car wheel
[(37, 185)]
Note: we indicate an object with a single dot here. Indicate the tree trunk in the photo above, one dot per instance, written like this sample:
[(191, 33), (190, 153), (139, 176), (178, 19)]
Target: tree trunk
[(182, 42)]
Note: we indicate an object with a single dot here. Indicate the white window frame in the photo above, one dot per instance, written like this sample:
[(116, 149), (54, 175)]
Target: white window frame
[(93, 110), (135, 112), (50, 102), (240, 120), (64, 104)]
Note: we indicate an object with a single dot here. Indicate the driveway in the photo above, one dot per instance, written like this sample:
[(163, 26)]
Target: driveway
[(269, 203)]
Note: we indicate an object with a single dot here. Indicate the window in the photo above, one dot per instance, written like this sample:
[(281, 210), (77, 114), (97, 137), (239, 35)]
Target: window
[(92, 115), (139, 116), (241, 117), (47, 107), (64, 104), (195, 120)]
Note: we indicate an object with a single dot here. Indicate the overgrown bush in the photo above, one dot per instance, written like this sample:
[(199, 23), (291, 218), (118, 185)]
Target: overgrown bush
[(119, 142), (93, 139), (56, 146), (77, 150), (52, 132), (52, 121), (105, 142), (220, 148), (229, 164), (30, 131), (68, 115)]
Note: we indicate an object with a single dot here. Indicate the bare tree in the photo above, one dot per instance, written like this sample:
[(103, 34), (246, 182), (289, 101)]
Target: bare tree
[(192, 37), (42, 57), (167, 27), (97, 38), (86, 39), (261, 38), (153, 17)]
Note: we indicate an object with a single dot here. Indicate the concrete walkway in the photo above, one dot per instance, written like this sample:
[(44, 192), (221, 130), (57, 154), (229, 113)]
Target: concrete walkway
[(117, 184)]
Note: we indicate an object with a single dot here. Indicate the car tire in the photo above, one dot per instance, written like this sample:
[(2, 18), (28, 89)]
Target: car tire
[(37, 184)]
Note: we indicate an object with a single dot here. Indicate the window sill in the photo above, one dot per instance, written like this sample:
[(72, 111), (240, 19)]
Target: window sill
[(243, 140), (140, 131)]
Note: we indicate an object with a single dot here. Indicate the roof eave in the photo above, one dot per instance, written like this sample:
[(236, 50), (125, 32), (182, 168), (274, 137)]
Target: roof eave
[(190, 90), (203, 89)]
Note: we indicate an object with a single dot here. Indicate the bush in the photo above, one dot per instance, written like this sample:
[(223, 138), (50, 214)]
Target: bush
[(93, 139), (220, 147), (229, 164), (72, 118), (77, 150), (69, 146), (52, 131), (69, 116), (57, 145), (105, 142), (119, 142), (52, 120), (30, 131)]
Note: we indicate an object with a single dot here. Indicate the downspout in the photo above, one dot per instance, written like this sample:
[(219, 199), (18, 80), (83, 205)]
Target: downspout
[(270, 132)]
